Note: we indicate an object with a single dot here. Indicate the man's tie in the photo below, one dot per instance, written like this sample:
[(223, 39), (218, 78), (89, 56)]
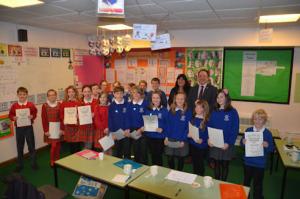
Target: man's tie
[(201, 92)]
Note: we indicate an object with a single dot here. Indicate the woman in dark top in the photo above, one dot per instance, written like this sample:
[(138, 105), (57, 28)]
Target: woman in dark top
[(182, 85)]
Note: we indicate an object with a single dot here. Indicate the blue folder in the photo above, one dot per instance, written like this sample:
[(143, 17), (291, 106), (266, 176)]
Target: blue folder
[(121, 164)]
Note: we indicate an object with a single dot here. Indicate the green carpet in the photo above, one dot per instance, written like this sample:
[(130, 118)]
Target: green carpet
[(68, 180)]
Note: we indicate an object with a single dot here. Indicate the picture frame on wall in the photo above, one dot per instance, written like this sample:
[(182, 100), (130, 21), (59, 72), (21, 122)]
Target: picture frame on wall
[(6, 127), (55, 52), (65, 52), (44, 52)]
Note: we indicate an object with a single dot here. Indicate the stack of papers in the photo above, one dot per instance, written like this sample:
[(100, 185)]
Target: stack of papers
[(88, 154), (180, 176), (120, 178)]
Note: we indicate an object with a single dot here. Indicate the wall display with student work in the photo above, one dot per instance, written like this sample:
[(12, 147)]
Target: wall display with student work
[(44, 52), (55, 52), (258, 74), (205, 58), (3, 49), (65, 52), (6, 127), (15, 50)]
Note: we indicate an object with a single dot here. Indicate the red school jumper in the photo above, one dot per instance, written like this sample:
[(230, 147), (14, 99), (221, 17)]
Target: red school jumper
[(101, 123)]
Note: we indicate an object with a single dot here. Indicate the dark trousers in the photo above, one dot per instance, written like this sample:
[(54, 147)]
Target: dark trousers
[(122, 148), (74, 147), (221, 169), (140, 150), (22, 134), (258, 177), (156, 148), (198, 156), (180, 162)]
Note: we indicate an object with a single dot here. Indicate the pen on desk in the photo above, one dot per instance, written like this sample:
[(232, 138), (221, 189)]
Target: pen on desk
[(128, 179), (177, 193)]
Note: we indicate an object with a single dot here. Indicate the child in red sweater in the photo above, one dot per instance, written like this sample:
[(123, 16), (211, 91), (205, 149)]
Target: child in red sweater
[(23, 113)]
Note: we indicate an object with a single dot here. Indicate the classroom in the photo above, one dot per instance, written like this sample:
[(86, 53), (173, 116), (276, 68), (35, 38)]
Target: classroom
[(150, 98)]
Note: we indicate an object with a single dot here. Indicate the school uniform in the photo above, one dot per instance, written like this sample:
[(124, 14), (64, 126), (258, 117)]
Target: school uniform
[(101, 123), (254, 167), (51, 113), (86, 132), (177, 131), (24, 133), (155, 140), (135, 113), (198, 150), (118, 119), (164, 100)]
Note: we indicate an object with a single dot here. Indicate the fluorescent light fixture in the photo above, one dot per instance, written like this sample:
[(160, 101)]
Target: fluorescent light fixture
[(19, 3), (279, 18), (116, 27)]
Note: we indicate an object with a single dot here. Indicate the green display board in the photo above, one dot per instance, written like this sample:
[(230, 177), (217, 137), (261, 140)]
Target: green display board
[(258, 74)]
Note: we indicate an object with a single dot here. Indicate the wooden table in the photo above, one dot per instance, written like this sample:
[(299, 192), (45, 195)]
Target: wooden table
[(158, 186), (100, 170), (286, 161)]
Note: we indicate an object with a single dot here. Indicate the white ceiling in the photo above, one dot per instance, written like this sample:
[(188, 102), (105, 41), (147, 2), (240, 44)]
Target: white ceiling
[(79, 16)]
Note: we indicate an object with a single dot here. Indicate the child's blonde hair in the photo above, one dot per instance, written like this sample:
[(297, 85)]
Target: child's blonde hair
[(174, 105), (260, 113), (205, 106)]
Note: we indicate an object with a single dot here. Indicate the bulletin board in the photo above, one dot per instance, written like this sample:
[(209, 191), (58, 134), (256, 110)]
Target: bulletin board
[(144, 64), (258, 74), (38, 69)]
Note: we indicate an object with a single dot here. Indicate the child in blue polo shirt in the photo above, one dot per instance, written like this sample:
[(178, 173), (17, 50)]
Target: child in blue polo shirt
[(178, 126), (155, 140), (226, 118), (198, 147), (136, 109), (254, 167), (118, 119)]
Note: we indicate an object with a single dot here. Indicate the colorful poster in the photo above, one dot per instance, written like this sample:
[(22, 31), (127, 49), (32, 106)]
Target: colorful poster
[(3, 49), (30, 51), (162, 41), (55, 52), (65, 52), (111, 7), (15, 50), (78, 56), (44, 52), (41, 98), (144, 32), (210, 59), (6, 127)]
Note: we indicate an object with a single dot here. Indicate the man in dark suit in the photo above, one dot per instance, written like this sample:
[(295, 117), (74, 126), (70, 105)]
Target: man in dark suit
[(203, 90)]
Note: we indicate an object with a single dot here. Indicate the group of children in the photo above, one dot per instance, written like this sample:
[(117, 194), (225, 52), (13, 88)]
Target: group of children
[(116, 110)]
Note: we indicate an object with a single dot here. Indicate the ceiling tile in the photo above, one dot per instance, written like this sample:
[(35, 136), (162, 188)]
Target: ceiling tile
[(233, 4), (184, 6), (195, 14), (47, 10), (77, 5)]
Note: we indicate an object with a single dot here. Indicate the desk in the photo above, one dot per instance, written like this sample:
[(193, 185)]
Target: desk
[(286, 161), (158, 186), (101, 170)]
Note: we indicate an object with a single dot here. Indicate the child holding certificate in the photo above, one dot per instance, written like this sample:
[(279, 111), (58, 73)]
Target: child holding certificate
[(68, 116), (118, 120), (155, 139), (198, 143), (176, 135), (23, 113), (225, 118), (101, 119), (51, 125), (136, 109), (254, 166), (86, 129)]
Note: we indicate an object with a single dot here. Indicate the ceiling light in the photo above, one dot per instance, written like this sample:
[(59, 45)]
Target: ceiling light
[(116, 27), (19, 3), (279, 18)]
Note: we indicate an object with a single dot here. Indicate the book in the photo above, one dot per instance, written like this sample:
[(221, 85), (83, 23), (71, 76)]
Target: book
[(88, 188), (232, 191), (88, 154)]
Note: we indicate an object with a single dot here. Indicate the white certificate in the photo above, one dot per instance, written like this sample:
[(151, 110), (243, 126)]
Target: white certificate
[(134, 135), (119, 134), (150, 123), (23, 117), (106, 142), (216, 137), (70, 115), (85, 115), (194, 131), (54, 130), (254, 144)]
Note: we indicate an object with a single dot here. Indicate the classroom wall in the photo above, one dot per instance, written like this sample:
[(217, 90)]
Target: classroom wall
[(283, 117), (43, 38)]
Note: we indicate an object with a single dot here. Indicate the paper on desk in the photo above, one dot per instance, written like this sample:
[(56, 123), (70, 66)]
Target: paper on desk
[(23, 117), (254, 144), (216, 137), (180, 176), (54, 130), (173, 144), (194, 132), (120, 178), (119, 134), (107, 142), (150, 123), (134, 135)]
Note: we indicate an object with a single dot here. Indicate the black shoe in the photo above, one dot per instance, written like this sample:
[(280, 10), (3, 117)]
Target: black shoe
[(35, 167), (18, 169)]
